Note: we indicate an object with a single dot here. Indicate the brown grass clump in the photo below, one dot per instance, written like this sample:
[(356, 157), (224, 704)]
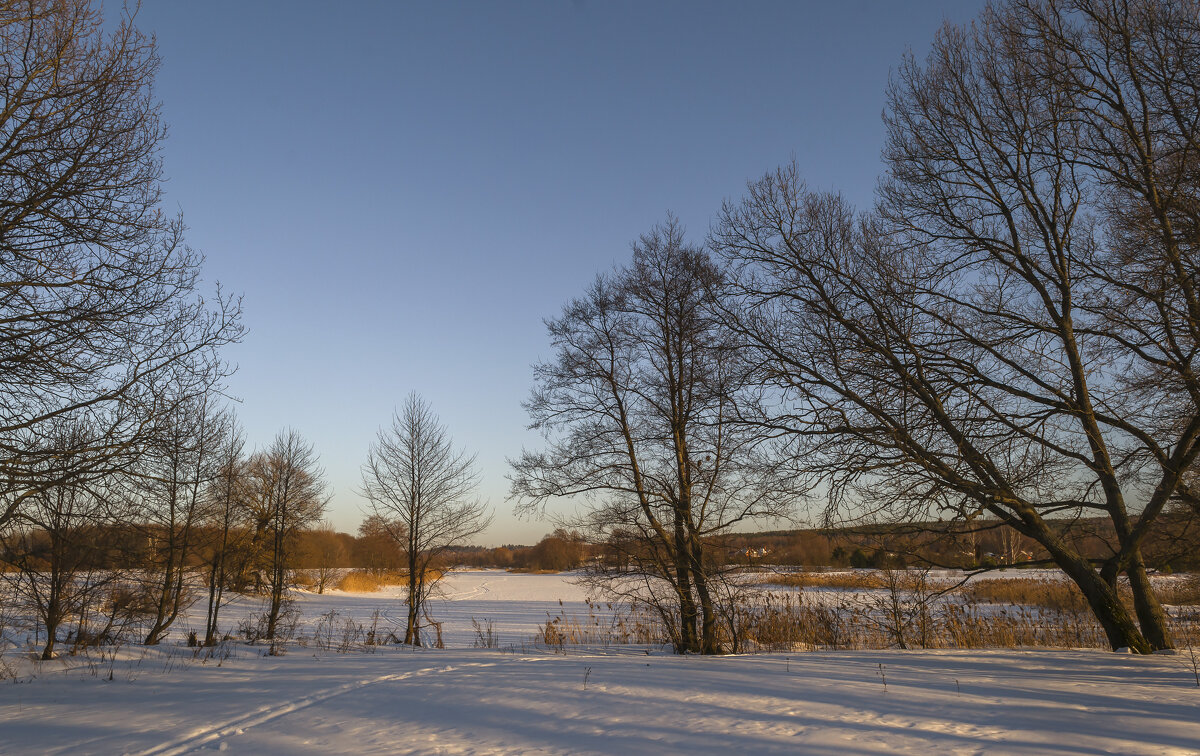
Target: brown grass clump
[(1180, 591), (369, 581), (782, 623), (851, 581), (605, 625), (359, 582), (1014, 627), (304, 579), (1059, 595), (1004, 613)]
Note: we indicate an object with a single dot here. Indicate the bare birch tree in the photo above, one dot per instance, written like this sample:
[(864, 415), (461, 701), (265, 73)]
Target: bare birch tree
[(421, 491)]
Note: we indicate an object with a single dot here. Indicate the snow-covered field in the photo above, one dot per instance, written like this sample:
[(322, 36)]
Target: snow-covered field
[(518, 700)]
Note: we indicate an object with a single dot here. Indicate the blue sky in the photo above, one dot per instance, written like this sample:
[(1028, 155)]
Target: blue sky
[(403, 191)]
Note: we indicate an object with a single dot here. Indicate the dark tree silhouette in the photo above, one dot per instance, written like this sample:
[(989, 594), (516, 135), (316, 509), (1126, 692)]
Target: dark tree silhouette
[(1013, 334)]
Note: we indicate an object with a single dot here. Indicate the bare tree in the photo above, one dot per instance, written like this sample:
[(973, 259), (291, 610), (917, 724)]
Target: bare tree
[(99, 311), (637, 406), (420, 490), (227, 548), (172, 482), (287, 493), (1013, 335), (54, 554)]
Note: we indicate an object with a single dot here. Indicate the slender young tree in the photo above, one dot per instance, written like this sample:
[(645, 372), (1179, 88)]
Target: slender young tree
[(421, 492), (227, 548)]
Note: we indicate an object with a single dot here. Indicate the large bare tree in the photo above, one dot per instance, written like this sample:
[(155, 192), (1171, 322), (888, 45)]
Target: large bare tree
[(421, 492), (637, 406), (1013, 334), (99, 310)]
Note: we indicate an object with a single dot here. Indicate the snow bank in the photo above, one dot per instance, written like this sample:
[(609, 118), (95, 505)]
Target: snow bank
[(485, 701), (172, 700)]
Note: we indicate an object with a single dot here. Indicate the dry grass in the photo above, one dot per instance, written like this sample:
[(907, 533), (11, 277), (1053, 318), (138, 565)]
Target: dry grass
[(605, 625), (1057, 595), (991, 613), (847, 581), (995, 613), (369, 581), (787, 622), (304, 579), (1180, 591)]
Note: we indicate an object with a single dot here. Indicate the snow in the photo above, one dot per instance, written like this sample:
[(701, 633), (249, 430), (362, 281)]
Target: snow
[(169, 700)]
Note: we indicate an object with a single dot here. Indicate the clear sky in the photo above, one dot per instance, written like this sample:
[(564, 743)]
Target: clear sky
[(403, 191)]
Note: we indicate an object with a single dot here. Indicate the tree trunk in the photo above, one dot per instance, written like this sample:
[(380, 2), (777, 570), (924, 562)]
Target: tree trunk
[(708, 634), (277, 578), (52, 621), (688, 639), (163, 610), (214, 603), (412, 631), (1151, 616), (1105, 603), (276, 603), (216, 584), (48, 651)]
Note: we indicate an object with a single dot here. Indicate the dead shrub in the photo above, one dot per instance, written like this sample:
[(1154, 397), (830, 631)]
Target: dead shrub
[(485, 634)]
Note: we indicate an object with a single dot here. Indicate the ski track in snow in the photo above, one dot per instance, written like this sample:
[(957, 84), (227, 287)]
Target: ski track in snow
[(238, 725), (474, 592)]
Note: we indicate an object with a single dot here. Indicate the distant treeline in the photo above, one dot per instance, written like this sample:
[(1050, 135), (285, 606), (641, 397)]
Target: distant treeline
[(926, 544), (975, 546)]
